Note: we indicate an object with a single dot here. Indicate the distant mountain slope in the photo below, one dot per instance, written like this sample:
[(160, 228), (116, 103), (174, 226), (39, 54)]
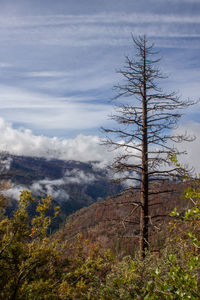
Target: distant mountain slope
[(72, 184), (114, 223)]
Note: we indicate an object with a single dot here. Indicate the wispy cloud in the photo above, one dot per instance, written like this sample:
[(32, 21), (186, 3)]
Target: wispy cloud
[(58, 62), (54, 188), (90, 30), (99, 18), (42, 111), (79, 176)]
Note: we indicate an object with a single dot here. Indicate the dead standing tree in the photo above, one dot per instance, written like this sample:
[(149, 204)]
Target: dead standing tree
[(146, 123)]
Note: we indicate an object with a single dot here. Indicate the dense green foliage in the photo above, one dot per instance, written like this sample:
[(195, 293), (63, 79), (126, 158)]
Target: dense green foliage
[(175, 273), (34, 265)]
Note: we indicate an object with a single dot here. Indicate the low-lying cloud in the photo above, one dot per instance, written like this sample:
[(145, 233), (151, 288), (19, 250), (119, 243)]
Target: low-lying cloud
[(56, 188), (82, 148), (79, 176), (50, 187), (24, 142), (40, 188), (14, 191)]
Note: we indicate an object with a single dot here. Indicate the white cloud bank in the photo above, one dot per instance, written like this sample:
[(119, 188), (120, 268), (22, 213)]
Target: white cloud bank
[(192, 158), (24, 142), (82, 148)]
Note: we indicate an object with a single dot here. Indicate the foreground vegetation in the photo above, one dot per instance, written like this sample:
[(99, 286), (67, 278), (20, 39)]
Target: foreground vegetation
[(34, 265)]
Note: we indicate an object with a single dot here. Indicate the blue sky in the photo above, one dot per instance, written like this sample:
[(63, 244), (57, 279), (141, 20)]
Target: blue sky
[(58, 61)]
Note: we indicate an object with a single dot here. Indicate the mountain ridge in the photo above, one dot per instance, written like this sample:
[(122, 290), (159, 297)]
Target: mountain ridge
[(72, 184)]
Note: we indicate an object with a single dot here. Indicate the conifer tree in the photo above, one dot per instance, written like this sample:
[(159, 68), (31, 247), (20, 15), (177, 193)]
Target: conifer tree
[(146, 120)]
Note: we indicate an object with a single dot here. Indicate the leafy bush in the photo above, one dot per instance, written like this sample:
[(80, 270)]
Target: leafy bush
[(34, 265), (175, 274)]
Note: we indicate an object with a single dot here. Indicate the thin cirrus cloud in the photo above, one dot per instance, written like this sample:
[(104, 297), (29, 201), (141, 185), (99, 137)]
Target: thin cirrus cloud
[(58, 62), (91, 30), (100, 18), (50, 112), (13, 97)]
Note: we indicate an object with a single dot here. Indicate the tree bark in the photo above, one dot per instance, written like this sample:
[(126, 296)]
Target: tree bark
[(144, 214)]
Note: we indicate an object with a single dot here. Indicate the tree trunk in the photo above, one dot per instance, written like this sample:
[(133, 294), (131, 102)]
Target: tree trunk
[(144, 213)]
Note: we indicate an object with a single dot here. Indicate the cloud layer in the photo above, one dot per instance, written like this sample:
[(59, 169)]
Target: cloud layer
[(24, 142), (82, 148), (58, 63), (111, 28)]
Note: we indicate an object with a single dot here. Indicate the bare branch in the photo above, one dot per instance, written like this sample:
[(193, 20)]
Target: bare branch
[(146, 120)]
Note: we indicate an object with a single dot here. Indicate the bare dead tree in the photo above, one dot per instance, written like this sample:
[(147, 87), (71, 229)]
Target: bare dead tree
[(146, 124)]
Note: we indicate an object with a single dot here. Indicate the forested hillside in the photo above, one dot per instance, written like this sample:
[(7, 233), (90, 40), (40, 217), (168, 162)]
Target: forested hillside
[(34, 265), (113, 223), (72, 184)]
